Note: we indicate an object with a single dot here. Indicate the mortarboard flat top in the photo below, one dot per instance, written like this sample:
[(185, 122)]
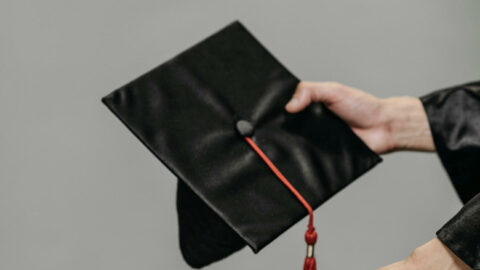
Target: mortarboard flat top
[(187, 112)]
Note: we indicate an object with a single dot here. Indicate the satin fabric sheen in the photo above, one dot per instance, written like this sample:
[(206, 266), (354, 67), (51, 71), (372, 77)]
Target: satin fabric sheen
[(185, 111), (454, 117)]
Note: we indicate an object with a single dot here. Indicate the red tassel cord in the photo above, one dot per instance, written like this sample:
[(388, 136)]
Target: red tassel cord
[(310, 234)]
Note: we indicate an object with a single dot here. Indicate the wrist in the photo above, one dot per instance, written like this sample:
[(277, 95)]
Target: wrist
[(407, 124)]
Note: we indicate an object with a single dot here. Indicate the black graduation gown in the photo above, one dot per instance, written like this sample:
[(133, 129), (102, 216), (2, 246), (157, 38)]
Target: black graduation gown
[(454, 117)]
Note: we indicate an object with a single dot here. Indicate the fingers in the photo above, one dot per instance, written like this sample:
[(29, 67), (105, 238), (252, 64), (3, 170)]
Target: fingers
[(307, 92)]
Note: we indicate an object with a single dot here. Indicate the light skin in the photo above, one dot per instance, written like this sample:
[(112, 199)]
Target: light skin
[(385, 125)]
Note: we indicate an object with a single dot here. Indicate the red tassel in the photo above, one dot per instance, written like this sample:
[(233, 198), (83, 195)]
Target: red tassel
[(311, 234), (310, 264), (311, 239)]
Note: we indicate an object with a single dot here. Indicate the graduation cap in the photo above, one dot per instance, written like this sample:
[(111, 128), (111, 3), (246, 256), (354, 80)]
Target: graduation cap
[(248, 170)]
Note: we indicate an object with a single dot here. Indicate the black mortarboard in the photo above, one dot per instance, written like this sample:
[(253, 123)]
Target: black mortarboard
[(203, 112)]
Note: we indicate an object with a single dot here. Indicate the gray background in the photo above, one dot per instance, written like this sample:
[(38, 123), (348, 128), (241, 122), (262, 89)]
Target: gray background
[(78, 191)]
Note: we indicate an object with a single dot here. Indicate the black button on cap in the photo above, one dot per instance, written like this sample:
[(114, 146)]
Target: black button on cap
[(244, 128)]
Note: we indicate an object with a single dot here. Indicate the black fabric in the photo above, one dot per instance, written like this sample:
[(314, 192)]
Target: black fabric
[(204, 236), (462, 233), (186, 111), (454, 117)]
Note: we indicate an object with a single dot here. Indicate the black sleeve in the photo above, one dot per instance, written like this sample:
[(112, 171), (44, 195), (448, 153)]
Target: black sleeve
[(454, 117)]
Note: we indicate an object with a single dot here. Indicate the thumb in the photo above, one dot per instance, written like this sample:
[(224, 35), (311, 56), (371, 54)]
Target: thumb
[(299, 101), (307, 92)]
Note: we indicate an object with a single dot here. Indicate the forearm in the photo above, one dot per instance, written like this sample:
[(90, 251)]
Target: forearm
[(407, 124)]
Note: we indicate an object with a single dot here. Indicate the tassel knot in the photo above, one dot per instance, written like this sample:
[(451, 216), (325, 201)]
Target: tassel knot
[(311, 236)]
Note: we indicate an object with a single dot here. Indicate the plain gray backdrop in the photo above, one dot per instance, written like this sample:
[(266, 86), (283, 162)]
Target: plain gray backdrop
[(79, 191)]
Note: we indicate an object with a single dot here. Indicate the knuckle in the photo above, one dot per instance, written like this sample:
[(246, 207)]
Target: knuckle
[(302, 85), (297, 92), (303, 88), (303, 91)]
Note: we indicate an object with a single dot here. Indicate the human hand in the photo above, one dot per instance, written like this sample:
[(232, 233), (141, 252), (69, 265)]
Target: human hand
[(431, 256), (385, 125)]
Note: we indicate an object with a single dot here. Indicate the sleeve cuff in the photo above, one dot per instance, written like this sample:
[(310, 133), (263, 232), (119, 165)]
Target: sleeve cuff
[(462, 233), (454, 118)]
